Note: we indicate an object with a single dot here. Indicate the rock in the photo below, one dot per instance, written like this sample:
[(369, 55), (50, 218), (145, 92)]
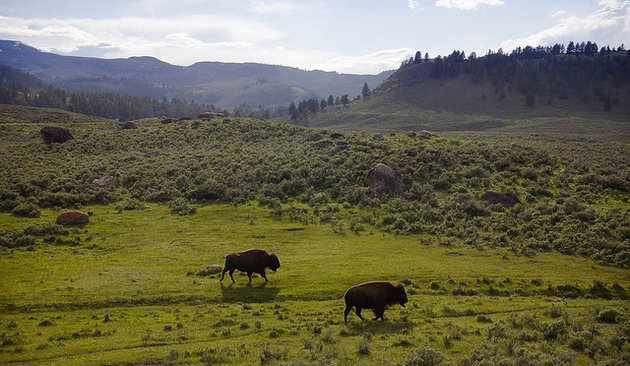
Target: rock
[(324, 144), (72, 217), (128, 126), (105, 182), (313, 137), (428, 133), (335, 136), (504, 199), (52, 134), (167, 121), (384, 179), (213, 268)]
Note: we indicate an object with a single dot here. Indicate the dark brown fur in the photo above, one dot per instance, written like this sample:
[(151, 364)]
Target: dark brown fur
[(373, 295), (251, 261)]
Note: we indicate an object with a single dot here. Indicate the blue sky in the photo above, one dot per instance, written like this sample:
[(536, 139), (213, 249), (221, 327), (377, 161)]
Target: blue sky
[(350, 36)]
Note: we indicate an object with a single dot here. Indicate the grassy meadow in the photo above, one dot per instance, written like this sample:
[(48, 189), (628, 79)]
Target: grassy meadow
[(129, 290), (546, 281)]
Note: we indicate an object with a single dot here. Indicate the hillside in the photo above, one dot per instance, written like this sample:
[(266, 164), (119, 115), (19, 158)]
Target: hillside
[(226, 84), (540, 277), (561, 93)]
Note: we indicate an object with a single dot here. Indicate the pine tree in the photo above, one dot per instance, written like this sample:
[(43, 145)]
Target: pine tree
[(365, 92)]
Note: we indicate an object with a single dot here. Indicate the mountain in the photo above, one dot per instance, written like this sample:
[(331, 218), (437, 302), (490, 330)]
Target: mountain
[(541, 92), (228, 84)]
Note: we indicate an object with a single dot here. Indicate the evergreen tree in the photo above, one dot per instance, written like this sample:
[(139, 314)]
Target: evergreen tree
[(331, 100), (418, 58), (365, 92), (293, 112), (344, 99)]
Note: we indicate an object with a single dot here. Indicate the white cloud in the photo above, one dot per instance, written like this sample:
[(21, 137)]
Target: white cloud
[(135, 35), (367, 64), (413, 5), (273, 7), (467, 4), (609, 25), (558, 13)]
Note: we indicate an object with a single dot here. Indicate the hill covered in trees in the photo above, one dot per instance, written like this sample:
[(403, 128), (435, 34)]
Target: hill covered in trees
[(227, 84), (496, 91)]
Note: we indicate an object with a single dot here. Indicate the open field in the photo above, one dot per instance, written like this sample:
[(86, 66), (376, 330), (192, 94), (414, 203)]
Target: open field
[(125, 291), (545, 281)]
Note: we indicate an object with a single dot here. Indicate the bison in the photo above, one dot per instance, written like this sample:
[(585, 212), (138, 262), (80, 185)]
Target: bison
[(373, 295), (251, 261)]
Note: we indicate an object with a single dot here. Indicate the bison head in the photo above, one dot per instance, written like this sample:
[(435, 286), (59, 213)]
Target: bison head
[(401, 295), (272, 262)]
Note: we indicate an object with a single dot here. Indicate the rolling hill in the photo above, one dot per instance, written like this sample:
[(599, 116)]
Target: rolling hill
[(226, 84), (553, 93)]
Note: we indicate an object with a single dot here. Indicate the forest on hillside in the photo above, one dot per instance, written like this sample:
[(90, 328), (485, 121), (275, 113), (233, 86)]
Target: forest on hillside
[(536, 72)]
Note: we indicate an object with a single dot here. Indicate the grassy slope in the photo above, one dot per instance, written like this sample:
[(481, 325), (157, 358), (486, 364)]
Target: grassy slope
[(457, 104), (132, 266), (24, 114)]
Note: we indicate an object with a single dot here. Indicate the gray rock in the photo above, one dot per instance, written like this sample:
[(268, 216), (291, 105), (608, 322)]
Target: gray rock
[(384, 179), (213, 268)]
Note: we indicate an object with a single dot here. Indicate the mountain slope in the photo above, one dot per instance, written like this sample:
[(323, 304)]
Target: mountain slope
[(583, 93), (208, 82)]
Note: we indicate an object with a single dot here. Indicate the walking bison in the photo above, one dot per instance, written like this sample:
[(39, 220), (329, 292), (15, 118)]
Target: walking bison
[(251, 261), (373, 295)]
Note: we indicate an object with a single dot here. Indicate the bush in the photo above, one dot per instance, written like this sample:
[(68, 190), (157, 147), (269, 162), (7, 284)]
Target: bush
[(424, 356), (26, 210), (180, 207), (608, 315)]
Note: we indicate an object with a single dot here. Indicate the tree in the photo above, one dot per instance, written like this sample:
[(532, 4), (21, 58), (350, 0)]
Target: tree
[(323, 104), (331, 100), (344, 99), (426, 57), (365, 92), (571, 48), (418, 58), (293, 112)]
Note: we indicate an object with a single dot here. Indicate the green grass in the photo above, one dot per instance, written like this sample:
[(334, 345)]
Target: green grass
[(132, 267), (24, 114)]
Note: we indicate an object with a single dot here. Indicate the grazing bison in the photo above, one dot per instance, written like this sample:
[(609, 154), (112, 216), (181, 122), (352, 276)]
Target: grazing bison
[(373, 295), (251, 261)]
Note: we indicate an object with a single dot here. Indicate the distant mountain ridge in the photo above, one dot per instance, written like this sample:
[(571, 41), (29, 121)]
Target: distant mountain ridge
[(221, 83)]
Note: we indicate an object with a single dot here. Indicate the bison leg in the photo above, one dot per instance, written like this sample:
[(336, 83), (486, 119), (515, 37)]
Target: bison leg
[(231, 273), (223, 273), (345, 313), (358, 311), (264, 276), (249, 274), (378, 313)]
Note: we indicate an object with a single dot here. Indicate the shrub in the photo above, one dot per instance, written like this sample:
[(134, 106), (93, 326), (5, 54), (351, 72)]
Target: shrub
[(553, 329), (180, 207), (608, 315), (26, 210), (424, 356)]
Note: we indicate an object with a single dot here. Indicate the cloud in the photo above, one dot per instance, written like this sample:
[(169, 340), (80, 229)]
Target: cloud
[(467, 4), (609, 25), (273, 7), (413, 5), (134, 35), (368, 64), (558, 13)]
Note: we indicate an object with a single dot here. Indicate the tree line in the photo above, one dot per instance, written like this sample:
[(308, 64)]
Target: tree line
[(553, 71)]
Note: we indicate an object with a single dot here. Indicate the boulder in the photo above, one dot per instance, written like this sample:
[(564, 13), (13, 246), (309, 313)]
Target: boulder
[(167, 121), (384, 179), (426, 133), (105, 182), (128, 126), (504, 199), (213, 268), (52, 134), (336, 136), (72, 217)]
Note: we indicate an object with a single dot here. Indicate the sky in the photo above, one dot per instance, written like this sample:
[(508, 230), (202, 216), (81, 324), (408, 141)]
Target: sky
[(347, 36)]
